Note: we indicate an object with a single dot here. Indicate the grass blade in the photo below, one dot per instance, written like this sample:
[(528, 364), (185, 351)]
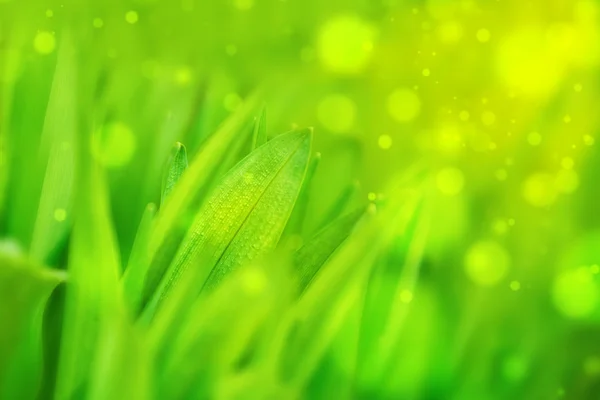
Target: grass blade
[(171, 222), (246, 214), (133, 279), (259, 136), (54, 213), (315, 253), (24, 290), (93, 298), (177, 165), (297, 221)]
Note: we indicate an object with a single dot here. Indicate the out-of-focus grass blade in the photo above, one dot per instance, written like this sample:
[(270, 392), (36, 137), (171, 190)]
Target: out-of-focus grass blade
[(341, 204), (9, 61), (93, 299), (245, 216), (133, 279), (172, 221), (54, 213), (24, 290), (386, 304), (259, 136), (315, 253), (295, 225), (177, 164), (334, 292), (221, 328)]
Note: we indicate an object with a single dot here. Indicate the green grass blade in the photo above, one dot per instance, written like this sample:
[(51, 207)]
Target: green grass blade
[(336, 291), (259, 136), (133, 279), (93, 298), (54, 213), (172, 221), (315, 253), (341, 204), (296, 223), (177, 165), (24, 290), (245, 216), (386, 305)]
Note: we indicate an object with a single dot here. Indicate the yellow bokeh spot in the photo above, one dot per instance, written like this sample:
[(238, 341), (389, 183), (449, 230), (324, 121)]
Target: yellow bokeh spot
[(450, 32), (385, 141), (372, 196), (406, 296), (44, 42), (60, 214), (528, 61), (501, 174), (49, 13), (182, 76), (575, 293), (591, 366), (337, 113), (426, 72), (578, 87), (98, 23), (567, 163), (131, 17), (515, 286), (114, 145), (450, 181), (488, 118), (589, 140), (231, 50), (464, 115), (486, 263), (483, 35), (403, 105), (567, 119), (254, 281), (567, 181), (345, 44), (244, 4), (539, 189), (232, 101), (534, 138)]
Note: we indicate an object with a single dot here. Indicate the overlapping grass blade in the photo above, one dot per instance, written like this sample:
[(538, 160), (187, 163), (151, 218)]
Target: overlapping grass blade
[(297, 220), (320, 313), (176, 166), (386, 305), (173, 219), (135, 273), (245, 216), (259, 135), (314, 254), (24, 290), (58, 137), (93, 301), (222, 327)]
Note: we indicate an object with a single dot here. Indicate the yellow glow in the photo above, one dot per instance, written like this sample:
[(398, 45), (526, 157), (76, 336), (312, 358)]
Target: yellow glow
[(483, 35), (385, 141), (337, 113), (403, 105), (345, 44), (44, 42), (486, 263), (539, 189), (575, 293), (131, 17), (450, 181), (115, 145)]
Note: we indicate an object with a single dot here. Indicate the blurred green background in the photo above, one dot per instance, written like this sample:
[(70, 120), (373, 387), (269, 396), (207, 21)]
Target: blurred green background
[(497, 100)]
